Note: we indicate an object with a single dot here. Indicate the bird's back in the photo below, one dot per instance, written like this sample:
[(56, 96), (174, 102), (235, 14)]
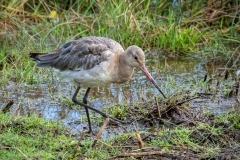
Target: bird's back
[(84, 53)]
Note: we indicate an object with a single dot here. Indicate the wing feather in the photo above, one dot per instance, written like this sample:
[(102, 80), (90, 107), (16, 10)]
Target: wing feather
[(84, 53)]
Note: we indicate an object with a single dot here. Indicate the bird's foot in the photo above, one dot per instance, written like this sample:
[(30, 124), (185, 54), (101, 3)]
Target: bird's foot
[(90, 131)]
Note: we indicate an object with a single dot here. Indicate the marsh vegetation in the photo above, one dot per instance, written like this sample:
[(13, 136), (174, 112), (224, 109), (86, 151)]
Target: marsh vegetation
[(193, 52)]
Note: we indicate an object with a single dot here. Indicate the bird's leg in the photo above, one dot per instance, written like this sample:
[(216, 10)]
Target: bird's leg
[(74, 99), (86, 108)]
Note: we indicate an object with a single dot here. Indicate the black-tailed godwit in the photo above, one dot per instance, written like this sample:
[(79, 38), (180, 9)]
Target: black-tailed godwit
[(92, 62)]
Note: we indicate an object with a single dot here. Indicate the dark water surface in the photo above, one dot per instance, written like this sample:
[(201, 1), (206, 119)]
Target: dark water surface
[(50, 99)]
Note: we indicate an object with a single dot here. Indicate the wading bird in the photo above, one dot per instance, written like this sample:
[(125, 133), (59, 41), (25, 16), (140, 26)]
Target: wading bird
[(92, 62)]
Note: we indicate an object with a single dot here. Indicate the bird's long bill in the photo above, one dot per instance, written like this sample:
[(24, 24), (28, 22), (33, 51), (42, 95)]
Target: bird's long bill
[(145, 71)]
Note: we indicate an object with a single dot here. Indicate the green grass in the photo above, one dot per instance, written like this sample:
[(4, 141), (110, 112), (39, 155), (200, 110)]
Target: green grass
[(36, 138), (119, 111), (231, 119), (152, 26), (33, 137), (159, 26)]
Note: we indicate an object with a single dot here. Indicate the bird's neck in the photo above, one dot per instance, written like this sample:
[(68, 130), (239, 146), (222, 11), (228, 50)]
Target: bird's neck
[(124, 70)]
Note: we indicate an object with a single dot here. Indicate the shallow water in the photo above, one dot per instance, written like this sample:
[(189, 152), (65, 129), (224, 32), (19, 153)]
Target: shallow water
[(46, 99)]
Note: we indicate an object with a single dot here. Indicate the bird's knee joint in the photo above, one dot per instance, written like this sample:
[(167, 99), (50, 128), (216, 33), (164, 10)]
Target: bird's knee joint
[(74, 99), (85, 100)]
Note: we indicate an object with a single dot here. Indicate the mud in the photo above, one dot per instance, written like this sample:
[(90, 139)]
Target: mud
[(47, 98), (51, 99)]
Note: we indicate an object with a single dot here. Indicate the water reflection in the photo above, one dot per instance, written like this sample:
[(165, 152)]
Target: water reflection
[(44, 98), (137, 89)]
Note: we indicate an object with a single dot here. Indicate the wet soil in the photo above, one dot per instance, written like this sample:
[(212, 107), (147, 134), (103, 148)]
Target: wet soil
[(48, 92), (51, 99)]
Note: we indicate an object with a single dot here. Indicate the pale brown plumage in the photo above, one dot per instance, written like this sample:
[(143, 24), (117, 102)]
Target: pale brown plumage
[(92, 61)]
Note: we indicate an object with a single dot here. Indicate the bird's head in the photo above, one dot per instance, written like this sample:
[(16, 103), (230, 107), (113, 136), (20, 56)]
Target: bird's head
[(136, 58)]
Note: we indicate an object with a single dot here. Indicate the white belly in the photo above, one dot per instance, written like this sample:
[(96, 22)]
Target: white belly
[(95, 77)]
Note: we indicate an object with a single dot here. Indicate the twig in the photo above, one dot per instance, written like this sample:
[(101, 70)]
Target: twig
[(153, 148), (158, 107), (226, 75), (21, 152), (17, 111), (179, 103), (5, 147), (130, 146), (218, 79), (187, 100), (237, 86), (146, 137), (28, 109), (141, 154), (7, 107), (100, 132), (205, 78), (140, 142), (108, 145), (77, 145)]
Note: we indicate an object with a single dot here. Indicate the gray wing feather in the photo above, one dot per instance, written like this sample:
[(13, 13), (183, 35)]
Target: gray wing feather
[(84, 53)]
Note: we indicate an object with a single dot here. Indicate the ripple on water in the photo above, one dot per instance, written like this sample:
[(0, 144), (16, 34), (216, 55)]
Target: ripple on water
[(44, 99)]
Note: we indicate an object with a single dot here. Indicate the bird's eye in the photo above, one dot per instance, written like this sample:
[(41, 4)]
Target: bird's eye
[(136, 57)]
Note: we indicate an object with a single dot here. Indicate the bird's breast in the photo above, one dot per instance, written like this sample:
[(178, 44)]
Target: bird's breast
[(124, 74)]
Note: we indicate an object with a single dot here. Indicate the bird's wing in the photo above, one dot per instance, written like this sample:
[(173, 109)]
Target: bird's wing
[(84, 53)]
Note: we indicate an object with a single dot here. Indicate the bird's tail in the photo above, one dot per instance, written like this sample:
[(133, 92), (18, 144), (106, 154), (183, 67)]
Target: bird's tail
[(44, 59)]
